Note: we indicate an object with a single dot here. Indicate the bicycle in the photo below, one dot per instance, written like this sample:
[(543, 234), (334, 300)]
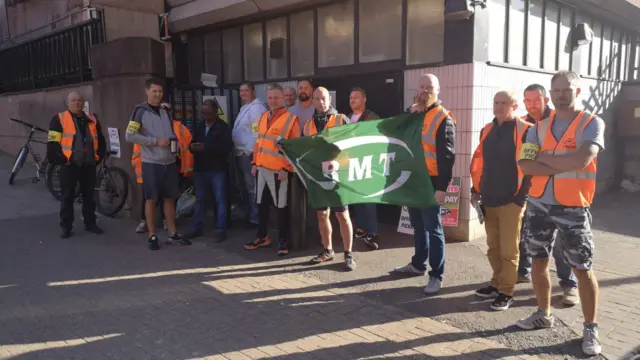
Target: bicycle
[(105, 185), (41, 167)]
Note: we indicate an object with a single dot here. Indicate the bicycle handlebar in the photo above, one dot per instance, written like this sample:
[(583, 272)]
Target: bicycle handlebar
[(29, 125)]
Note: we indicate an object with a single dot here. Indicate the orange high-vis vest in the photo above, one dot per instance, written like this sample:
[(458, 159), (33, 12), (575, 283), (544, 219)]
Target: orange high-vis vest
[(69, 133), (186, 157), (573, 188), (266, 153), (477, 161), (310, 129), (432, 121)]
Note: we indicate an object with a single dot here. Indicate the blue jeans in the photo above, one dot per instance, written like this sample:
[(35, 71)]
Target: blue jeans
[(366, 218), (247, 184), (565, 274), (217, 182), (428, 236)]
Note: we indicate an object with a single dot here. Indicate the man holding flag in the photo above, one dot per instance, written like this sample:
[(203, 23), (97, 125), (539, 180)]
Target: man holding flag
[(438, 142), (325, 117)]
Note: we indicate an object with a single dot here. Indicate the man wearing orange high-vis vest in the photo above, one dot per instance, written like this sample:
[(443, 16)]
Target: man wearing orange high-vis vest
[(502, 188), (76, 143), (438, 142), (272, 170), (560, 154)]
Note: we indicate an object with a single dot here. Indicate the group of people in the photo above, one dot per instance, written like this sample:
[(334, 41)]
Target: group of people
[(533, 179)]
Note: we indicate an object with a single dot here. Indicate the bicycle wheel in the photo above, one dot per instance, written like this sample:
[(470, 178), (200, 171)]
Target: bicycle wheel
[(17, 165), (112, 188), (52, 178)]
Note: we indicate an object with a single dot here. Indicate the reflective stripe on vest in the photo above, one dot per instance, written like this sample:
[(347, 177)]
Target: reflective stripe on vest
[(267, 154), (572, 188), (69, 133), (310, 129), (432, 121)]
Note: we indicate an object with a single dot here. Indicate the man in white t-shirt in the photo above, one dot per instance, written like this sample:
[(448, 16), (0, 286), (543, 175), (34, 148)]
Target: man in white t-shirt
[(245, 134)]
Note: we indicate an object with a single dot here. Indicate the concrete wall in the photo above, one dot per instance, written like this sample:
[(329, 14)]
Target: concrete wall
[(121, 23), (468, 89), (36, 108)]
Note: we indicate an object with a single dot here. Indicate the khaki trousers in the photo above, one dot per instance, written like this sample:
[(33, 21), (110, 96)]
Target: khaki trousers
[(503, 224)]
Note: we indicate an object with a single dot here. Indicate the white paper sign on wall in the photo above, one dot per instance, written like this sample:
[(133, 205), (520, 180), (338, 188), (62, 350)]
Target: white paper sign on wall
[(114, 141), (404, 225)]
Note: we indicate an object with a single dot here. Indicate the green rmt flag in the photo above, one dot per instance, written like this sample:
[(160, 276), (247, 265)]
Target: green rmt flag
[(378, 161)]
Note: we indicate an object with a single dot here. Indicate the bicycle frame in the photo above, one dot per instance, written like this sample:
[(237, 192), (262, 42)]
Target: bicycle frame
[(40, 167)]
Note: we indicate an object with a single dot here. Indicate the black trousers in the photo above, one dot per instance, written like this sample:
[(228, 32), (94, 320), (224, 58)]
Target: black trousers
[(264, 210), (70, 176)]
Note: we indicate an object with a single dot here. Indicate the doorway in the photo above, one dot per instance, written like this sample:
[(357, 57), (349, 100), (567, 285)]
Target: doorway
[(385, 97)]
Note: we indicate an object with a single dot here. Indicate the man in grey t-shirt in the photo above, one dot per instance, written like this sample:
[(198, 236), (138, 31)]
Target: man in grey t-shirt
[(560, 154), (304, 108), (152, 128)]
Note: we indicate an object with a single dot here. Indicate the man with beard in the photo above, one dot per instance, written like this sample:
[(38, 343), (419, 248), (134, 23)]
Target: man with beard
[(304, 108), (560, 155)]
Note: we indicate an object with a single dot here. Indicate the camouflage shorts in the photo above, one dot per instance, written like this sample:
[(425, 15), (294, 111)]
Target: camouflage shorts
[(574, 224)]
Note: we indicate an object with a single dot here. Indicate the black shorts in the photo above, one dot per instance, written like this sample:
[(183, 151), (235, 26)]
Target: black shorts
[(160, 181), (334, 209)]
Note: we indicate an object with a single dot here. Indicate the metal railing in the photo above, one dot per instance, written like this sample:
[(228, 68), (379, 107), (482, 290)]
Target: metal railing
[(58, 59)]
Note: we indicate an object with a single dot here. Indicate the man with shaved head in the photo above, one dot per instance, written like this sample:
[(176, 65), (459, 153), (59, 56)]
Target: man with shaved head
[(500, 185), (76, 143), (438, 143), (324, 117)]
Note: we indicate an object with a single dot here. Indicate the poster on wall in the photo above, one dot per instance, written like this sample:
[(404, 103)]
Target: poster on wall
[(114, 141), (333, 98), (448, 211), (86, 108), (222, 105)]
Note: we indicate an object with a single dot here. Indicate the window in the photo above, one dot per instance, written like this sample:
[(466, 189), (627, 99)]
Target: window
[(605, 60), (551, 36), (335, 35), (615, 54), (534, 39), (196, 57), (212, 54), (596, 46), (516, 32), (376, 45), (253, 55), (564, 43), (497, 27), (636, 60), (232, 55), (580, 60), (425, 25), (624, 57), (277, 52), (303, 47)]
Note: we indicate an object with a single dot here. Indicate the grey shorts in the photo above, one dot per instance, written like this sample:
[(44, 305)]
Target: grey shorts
[(544, 222), (160, 181)]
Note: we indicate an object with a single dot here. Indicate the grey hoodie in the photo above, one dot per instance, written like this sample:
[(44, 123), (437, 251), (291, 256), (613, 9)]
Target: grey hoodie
[(151, 127)]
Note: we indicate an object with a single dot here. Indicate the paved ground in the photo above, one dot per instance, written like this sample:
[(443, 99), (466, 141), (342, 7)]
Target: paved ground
[(107, 297)]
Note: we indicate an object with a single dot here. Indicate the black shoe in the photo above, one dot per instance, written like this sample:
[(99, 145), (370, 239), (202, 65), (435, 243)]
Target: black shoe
[(488, 292), (177, 239), (349, 262), (94, 229), (360, 234), (66, 233), (324, 256), (192, 234), (220, 236), (372, 241), (153, 243), (502, 302)]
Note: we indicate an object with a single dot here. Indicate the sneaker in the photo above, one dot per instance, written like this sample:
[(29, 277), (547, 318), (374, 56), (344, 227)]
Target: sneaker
[(524, 279), (372, 241), (360, 234), (571, 297), (324, 256), (153, 243), (433, 286), (536, 321), (283, 250), (141, 228), (408, 269), (66, 233), (349, 262), (177, 239), (94, 229), (488, 292), (258, 243), (220, 236), (502, 302), (164, 225), (192, 234), (590, 340)]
